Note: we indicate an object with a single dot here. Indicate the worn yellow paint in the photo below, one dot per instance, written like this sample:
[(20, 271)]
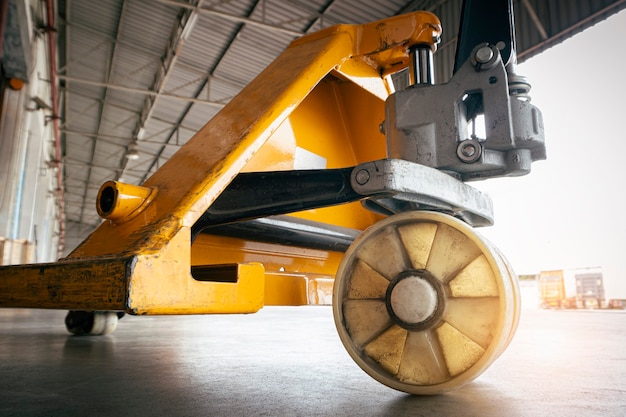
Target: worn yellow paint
[(163, 284), (285, 289), (324, 94), (208, 249), (92, 284)]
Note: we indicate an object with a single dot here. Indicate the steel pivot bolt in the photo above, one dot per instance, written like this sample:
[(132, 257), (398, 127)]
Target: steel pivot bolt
[(469, 151), (362, 177), (483, 55)]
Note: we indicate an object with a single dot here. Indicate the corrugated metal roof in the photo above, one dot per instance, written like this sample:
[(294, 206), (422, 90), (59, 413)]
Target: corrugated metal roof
[(155, 71)]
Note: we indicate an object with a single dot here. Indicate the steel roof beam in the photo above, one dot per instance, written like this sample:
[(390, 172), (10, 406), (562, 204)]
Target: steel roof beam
[(536, 21), (320, 15), (180, 34), (232, 18), (69, 24), (109, 71), (141, 91), (244, 21), (155, 161)]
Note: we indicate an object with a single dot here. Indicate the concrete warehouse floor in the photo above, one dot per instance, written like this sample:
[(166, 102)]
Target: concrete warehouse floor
[(288, 361)]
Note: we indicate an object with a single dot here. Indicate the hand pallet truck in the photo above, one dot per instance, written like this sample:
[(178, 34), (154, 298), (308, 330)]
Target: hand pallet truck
[(317, 178)]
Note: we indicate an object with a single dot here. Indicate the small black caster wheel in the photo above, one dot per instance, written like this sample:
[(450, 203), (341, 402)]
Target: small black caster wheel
[(92, 323)]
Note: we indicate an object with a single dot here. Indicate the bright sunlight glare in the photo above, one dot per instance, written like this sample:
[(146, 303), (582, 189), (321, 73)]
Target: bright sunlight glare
[(570, 211)]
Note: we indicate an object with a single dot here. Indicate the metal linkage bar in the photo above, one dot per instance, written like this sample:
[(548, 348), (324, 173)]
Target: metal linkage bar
[(387, 186), (255, 195)]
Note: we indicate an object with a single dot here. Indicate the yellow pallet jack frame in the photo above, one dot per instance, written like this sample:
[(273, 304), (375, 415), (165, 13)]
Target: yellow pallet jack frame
[(323, 96)]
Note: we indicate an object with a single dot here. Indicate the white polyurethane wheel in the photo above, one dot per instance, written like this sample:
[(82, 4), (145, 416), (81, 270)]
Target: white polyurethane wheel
[(423, 303)]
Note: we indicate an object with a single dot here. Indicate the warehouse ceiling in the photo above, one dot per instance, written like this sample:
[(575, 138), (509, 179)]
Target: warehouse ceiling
[(139, 77)]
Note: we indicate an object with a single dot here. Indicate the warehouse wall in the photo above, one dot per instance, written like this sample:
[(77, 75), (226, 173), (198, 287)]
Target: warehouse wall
[(29, 218)]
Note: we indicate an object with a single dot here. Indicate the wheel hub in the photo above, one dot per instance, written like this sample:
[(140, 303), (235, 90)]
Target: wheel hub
[(415, 300)]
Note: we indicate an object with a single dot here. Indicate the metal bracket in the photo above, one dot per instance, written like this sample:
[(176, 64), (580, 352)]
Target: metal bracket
[(395, 185), (431, 124), (481, 123)]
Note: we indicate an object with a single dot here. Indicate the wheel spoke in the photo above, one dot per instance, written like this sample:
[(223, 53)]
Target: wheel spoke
[(387, 348), (451, 251), (476, 318), (475, 280), (422, 362), (384, 253), (459, 351), (365, 319), (417, 239), (365, 283)]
